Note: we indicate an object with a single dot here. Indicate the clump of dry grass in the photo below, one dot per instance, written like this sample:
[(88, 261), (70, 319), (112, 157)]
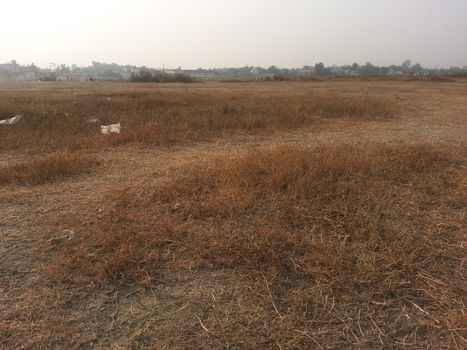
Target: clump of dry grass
[(56, 166), (160, 118), (352, 245)]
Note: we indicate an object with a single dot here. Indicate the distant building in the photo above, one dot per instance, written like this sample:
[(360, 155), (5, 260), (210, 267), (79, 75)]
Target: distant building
[(8, 71), (11, 67), (14, 71)]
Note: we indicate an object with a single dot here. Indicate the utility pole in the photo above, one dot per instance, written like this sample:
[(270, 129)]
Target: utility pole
[(14, 69)]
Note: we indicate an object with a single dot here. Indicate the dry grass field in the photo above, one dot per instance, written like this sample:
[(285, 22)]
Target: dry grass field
[(280, 215)]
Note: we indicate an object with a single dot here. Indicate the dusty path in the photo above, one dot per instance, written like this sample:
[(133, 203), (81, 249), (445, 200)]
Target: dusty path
[(29, 215)]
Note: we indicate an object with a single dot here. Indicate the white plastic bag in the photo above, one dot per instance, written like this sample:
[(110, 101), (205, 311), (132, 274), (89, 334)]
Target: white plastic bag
[(111, 129), (11, 121)]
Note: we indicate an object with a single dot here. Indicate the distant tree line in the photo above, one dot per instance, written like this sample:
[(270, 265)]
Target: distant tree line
[(368, 69), (113, 71), (155, 76), (321, 70)]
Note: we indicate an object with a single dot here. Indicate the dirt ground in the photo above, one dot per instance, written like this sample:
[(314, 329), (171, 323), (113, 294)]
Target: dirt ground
[(38, 314)]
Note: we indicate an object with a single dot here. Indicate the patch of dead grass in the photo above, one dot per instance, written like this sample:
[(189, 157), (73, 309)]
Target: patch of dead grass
[(350, 245), (54, 122), (53, 167)]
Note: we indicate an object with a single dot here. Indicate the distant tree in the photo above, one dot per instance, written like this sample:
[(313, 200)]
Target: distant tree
[(393, 69), (273, 69), (145, 74), (63, 69), (405, 67), (150, 75), (320, 69), (416, 68), (383, 70), (369, 69)]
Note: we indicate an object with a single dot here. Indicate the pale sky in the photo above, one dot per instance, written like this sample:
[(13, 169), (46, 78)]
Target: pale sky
[(220, 33)]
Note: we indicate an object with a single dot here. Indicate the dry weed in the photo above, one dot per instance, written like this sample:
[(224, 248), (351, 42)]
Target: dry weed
[(161, 118), (48, 168), (338, 246)]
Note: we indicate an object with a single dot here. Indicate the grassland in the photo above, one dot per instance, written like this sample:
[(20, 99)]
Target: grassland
[(163, 118), (285, 215)]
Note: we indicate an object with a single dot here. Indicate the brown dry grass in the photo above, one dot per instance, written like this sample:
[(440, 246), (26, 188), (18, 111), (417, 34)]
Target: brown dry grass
[(55, 121), (52, 167), (282, 247), (337, 246)]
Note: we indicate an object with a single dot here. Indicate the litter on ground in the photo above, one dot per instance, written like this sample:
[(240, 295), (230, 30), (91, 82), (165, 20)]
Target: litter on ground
[(111, 129), (11, 121)]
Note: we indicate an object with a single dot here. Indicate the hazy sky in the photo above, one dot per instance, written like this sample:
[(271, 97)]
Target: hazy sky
[(219, 33)]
